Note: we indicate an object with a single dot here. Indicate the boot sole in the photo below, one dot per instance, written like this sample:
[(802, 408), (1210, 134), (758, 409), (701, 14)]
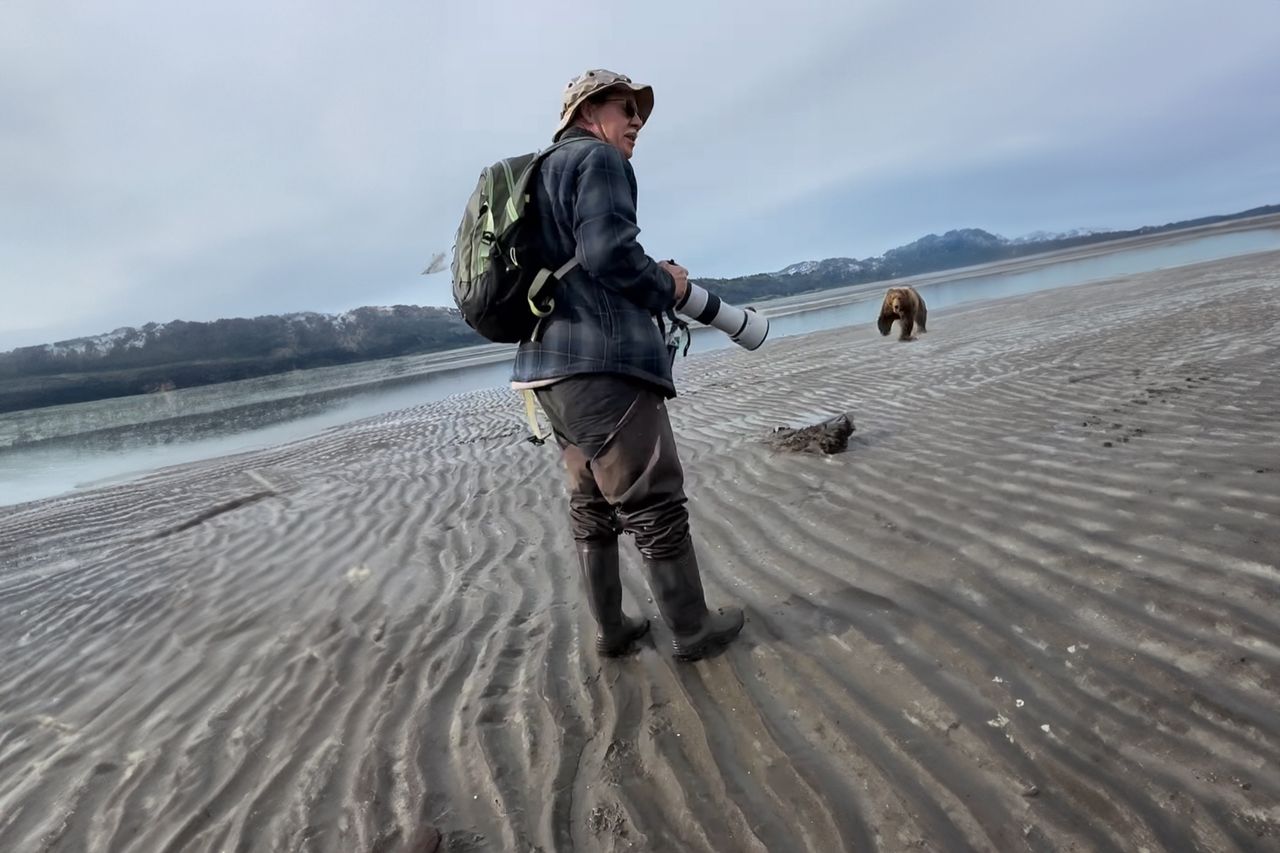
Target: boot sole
[(614, 650)]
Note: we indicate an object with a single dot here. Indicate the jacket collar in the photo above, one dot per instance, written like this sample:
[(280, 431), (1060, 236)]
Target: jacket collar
[(576, 132)]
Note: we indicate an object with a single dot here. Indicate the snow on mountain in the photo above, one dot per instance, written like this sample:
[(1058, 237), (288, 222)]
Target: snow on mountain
[(127, 337), (1044, 236)]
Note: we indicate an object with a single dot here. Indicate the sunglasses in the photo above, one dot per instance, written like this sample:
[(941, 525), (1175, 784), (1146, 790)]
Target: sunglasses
[(629, 108)]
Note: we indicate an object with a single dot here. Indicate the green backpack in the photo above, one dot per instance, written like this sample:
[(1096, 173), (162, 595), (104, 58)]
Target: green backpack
[(498, 282)]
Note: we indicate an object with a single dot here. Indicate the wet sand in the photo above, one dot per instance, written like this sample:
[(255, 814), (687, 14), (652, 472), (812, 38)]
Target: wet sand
[(1034, 606)]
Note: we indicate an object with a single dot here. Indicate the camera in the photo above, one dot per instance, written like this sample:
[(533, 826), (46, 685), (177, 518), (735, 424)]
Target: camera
[(744, 326)]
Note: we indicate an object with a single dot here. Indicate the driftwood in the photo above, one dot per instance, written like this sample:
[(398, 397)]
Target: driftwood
[(827, 437)]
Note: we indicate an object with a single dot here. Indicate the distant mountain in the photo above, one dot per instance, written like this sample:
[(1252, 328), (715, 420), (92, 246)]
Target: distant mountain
[(164, 356), (369, 332), (1048, 237), (931, 253)]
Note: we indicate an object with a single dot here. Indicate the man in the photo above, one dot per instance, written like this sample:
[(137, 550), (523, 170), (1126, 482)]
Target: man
[(601, 369)]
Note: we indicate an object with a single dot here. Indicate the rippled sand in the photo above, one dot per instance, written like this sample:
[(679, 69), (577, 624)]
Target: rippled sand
[(1035, 606)]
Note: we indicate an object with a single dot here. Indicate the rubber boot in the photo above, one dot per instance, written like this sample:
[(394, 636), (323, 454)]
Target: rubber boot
[(677, 588), (598, 560)]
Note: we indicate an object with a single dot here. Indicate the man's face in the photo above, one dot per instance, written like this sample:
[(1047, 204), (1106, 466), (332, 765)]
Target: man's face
[(616, 120)]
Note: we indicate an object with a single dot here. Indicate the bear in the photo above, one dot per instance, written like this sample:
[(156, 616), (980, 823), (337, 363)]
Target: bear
[(905, 305)]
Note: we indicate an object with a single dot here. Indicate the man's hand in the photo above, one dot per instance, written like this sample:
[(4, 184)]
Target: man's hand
[(681, 276)]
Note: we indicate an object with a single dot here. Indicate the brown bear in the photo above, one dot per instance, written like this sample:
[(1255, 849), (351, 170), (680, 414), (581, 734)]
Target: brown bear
[(905, 305)]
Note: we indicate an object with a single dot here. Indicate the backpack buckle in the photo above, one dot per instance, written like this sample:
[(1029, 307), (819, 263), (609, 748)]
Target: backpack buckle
[(540, 283)]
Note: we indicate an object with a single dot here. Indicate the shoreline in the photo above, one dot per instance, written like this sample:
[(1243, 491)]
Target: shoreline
[(339, 380), (843, 295)]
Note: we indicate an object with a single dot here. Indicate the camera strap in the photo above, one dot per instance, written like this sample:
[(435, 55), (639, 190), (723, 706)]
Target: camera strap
[(677, 336)]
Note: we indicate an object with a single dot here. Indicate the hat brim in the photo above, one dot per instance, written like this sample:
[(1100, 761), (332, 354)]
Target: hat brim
[(644, 102)]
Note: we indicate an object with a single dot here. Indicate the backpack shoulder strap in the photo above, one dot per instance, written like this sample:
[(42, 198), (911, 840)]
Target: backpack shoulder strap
[(531, 167), (541, 281), (545, 278)]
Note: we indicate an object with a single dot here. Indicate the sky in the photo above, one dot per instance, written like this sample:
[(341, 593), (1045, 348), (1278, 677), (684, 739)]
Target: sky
[(198, 160)]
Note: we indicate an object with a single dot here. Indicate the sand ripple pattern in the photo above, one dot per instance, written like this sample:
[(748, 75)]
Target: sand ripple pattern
[(1034, 607)]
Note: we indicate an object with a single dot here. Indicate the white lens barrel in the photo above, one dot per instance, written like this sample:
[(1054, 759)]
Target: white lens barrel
[(747, 329)]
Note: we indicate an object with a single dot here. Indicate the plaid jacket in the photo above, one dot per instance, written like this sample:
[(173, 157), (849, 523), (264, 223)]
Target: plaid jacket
[(604, 317)]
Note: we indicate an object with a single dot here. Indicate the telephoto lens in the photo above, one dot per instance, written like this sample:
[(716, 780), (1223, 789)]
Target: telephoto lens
[(744, 327)]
